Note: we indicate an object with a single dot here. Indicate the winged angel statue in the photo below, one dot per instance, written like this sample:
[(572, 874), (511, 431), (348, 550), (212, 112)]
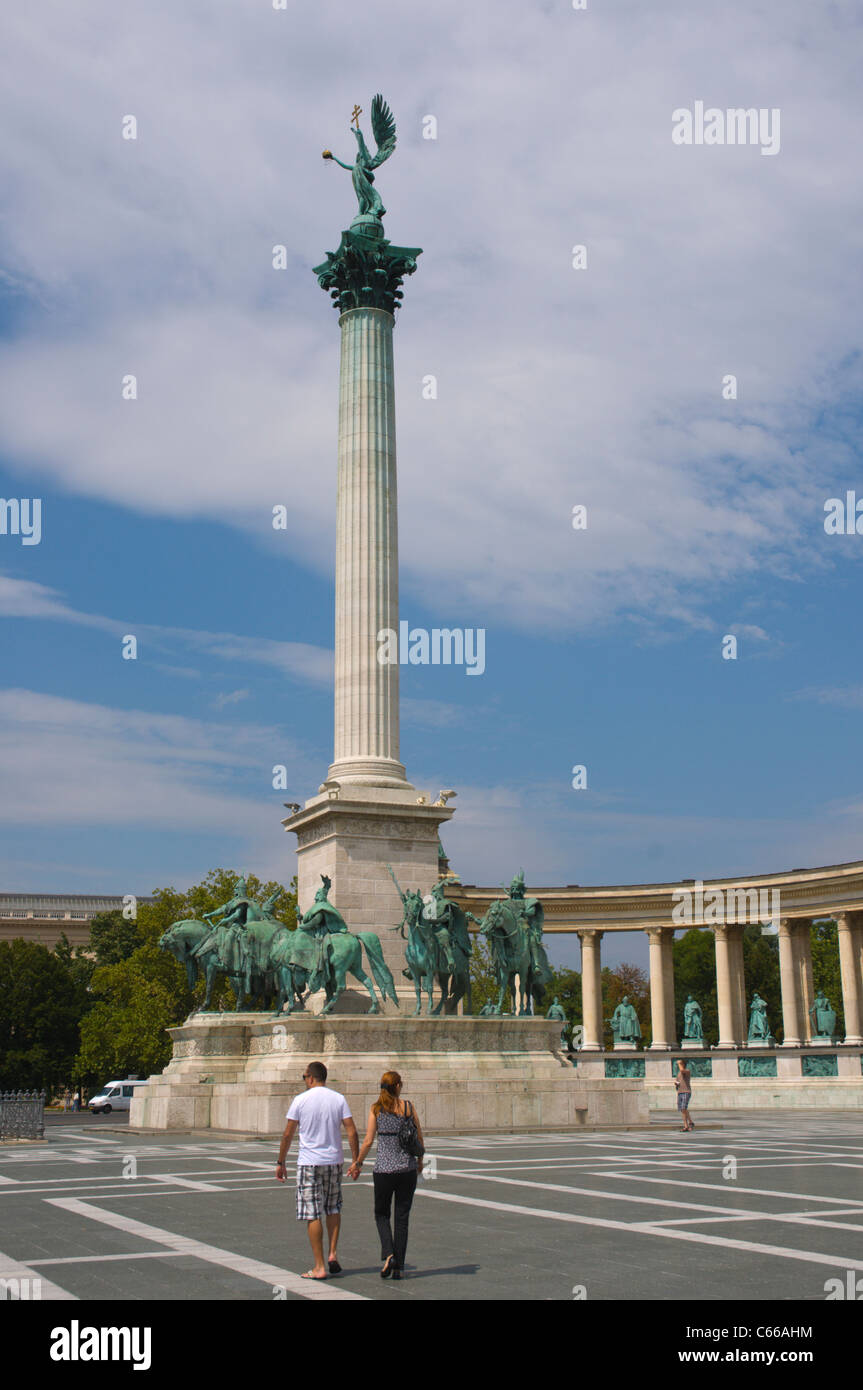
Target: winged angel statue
[(384, 131)]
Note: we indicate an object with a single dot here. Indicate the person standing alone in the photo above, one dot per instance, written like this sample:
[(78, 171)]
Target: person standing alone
[(683, 1083), (319, 1114)]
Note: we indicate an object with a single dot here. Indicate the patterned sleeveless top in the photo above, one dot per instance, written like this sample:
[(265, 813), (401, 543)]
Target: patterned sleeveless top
[(391, 1157)]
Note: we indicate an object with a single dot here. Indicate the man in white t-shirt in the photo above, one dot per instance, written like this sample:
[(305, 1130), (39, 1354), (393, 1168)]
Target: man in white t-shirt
[(319, 1114)]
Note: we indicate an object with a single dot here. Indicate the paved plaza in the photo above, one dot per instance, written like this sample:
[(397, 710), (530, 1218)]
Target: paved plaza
[(752, 1208)]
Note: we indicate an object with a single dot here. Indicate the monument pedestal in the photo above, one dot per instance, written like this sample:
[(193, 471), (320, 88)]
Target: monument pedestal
[(239, 1073), (693, 1044), (351, 835)]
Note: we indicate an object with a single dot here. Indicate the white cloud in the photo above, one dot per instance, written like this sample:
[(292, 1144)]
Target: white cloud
[(69, 764), (20, 598), (231, 698), (555, 386)]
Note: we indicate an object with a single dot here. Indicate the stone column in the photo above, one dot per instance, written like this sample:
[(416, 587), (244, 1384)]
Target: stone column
[(658, 990), (738, 984), (591, 989), (806, 992), (788, 984), (724, 987), (668, 968), (849, 965), (367, 600)]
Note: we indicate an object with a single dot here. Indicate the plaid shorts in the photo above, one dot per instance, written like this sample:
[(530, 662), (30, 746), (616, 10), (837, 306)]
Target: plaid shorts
[(319, 1191), (683, 1099)]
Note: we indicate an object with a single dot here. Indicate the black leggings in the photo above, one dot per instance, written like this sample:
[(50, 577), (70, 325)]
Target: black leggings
[(402, 1186)]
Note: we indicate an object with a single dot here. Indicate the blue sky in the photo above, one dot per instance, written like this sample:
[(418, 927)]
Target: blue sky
[(555, 387)]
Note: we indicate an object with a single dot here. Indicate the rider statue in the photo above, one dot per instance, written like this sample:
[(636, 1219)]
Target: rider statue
[(531, 912), (321, 920), (450, 929)]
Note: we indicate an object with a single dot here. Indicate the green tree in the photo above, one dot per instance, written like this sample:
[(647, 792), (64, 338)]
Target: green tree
[(43, 1000), (113, 937), (138, 998), (483, 981)]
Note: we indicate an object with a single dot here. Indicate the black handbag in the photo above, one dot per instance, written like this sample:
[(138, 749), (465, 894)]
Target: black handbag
[(409, 1141)]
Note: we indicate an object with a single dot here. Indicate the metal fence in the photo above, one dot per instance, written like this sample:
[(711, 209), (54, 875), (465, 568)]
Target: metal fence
[(22, 1115)]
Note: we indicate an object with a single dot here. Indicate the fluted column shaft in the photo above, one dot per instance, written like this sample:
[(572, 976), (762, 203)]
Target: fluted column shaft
[(366, 691), (591, 990), (662, 1025), (724, 993), (806, 993), (850, 934), (738, 983), (788, 985), (668, 967)]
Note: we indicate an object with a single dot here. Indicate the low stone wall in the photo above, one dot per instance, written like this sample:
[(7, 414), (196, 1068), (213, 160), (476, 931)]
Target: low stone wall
[(238, 1073), (728, 1087)]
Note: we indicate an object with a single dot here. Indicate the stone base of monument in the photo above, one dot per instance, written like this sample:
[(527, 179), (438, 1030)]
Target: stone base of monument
[(743, 1078), (693, 1044), (238, 1073)]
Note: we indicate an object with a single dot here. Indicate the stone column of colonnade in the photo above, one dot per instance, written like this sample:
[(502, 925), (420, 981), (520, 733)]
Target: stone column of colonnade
[(791, 1024), (661, 988), (591, 990), (795, 980), (738, 979), (803, 958), (850, 932), (729, 984), (366, 692), (668, 965)]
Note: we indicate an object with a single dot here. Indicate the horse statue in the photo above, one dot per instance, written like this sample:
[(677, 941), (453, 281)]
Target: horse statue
[(228, 946), (195, 946), (322, 952), (438, 948), (515, 953)]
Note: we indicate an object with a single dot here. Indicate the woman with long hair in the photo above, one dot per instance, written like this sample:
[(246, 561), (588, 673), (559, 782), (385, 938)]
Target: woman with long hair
[(395, 1171)]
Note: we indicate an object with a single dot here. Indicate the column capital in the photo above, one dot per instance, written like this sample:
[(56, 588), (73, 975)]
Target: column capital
[(367, 270), (590, 934)]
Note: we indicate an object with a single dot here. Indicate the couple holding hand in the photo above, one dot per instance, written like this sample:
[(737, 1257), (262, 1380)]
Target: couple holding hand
[(318, 1114)]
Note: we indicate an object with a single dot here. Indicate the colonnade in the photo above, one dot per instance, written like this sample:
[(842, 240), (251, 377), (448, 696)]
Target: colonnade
[(795, 973)]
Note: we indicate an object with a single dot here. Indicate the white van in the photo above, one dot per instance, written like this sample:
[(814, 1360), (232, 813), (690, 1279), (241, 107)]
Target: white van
[(116, 1095)]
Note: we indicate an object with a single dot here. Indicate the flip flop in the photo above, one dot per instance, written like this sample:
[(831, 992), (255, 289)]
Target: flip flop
[(334, 1267), (310, 1274)]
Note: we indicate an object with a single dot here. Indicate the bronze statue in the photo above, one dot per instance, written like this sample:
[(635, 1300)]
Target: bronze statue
[(361, 171), (624, 1023), (513, 927)]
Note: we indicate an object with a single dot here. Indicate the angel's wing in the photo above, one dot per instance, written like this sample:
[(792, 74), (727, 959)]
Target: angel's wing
[(383, 129)]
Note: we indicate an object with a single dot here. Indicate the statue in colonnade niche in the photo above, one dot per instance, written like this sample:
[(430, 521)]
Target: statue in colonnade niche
[(823, 1017), (624, 1024), (692, 1019), (556, 1011), (759, 1027)]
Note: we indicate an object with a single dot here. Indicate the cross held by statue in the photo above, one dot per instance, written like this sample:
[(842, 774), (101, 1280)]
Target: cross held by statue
[(357, 112)]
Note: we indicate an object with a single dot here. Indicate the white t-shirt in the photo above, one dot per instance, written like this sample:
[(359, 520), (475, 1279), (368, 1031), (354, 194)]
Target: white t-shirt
[(319, 1113)]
